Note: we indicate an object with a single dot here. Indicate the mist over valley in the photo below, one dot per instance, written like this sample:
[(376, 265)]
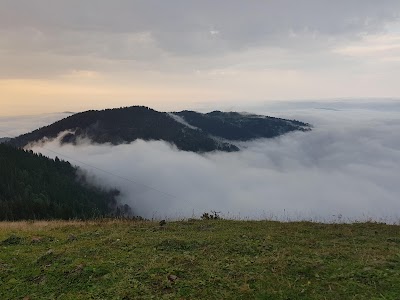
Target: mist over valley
[(344, 169)]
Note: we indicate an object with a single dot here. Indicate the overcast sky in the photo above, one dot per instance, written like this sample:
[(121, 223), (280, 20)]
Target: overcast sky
[(75, 55)]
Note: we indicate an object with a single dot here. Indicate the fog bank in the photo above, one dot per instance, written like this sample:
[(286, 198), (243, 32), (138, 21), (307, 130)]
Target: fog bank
[(346, 169)]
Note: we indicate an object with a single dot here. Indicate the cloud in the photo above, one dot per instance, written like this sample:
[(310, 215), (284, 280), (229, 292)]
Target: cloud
[(346, 168), (160, 52), (374, 49), (155, 32)]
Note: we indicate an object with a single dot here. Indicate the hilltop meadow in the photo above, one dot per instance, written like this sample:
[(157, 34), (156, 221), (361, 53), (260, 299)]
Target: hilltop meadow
[(198, 259)]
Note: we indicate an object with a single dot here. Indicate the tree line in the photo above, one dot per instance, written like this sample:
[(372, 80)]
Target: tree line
[(33, 186)]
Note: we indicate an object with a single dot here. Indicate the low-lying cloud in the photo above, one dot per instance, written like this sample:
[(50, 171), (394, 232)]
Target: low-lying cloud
[(346, 169), (12, 126)]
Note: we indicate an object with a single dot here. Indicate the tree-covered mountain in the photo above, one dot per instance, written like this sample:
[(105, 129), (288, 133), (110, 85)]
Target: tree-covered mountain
[(241, 127), (35, 187), (189, 131)]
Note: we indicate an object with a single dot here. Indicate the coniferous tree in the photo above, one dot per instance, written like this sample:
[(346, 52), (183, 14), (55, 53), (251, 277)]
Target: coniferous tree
[(33, 186)]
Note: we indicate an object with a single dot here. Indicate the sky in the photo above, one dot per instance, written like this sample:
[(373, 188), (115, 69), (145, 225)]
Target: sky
[(346, 169), (75, 55)]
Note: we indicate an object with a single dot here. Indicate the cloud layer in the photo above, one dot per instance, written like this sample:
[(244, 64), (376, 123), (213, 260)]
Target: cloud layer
[(17, 125), (185, 27), (59, 37), (346, 168)]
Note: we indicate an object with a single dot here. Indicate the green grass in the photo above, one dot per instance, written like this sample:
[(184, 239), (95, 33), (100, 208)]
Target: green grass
[(199, 260)]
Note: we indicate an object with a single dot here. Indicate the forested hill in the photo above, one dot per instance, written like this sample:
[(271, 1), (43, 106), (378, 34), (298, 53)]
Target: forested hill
[(189, 131), (4, 139), (35, 187), (241, 127)]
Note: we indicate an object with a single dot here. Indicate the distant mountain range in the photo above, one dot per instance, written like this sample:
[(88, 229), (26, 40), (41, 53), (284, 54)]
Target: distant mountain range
[(188, 130)]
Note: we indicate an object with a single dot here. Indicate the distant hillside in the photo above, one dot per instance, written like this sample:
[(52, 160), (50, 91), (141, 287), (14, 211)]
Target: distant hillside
[(35, 187), (189, 131), (241, 127)]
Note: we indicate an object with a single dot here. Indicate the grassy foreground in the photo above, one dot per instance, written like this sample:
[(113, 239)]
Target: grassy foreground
[(198, 260)]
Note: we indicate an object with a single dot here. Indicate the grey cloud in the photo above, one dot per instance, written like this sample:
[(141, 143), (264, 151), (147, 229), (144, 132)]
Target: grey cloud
[(184, 27), (50, 38), (33, 53), (348, 165), (230, 16)]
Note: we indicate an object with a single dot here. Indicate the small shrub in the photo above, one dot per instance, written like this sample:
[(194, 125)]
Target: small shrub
[(214, 215)]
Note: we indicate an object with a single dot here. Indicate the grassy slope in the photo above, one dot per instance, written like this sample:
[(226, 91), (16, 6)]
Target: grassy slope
[(211, 259)]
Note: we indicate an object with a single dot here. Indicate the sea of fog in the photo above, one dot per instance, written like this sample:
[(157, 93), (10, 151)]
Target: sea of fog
[(346, 169)]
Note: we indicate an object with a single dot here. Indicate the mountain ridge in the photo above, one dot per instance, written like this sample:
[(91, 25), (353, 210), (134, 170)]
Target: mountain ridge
[(187, 130)]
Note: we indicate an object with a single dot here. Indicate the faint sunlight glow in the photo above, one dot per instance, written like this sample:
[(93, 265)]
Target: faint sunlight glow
[(83, 74), (373, 46)]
